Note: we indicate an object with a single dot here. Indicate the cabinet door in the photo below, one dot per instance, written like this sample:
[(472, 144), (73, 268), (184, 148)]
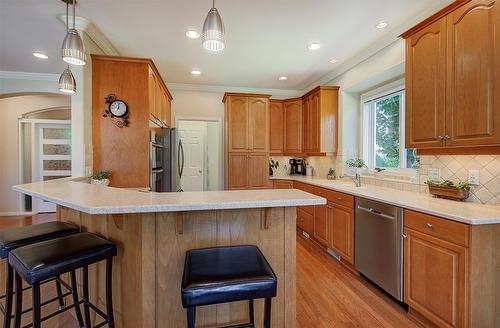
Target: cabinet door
[(321, 224), (237, 171), (426, 86), (314, 128), (168, 114), (342, 230), (237, 123), (435, 279), (276, 127), (473, 110), (293, 126), (258, 119), (258, 171), (158, 99), (306, 126), (152, 94), (305, 221)]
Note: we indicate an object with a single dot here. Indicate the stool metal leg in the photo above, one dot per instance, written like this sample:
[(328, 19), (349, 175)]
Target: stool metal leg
[(250, 312), (86, 308), (267, 313), (191, 316), (36, 305), (19, 301), (59, 292), (74, 293), (9, 277), (109, 293)]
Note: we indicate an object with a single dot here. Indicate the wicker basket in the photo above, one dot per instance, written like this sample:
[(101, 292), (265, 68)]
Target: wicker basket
[(449, 192)]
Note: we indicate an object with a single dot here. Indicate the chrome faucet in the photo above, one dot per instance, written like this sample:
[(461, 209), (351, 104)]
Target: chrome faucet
[(357, 180)]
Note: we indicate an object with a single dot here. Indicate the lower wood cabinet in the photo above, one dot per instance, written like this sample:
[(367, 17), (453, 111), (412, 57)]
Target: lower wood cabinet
[(305, 221), (282, 184), (341, 237), (247, 170)]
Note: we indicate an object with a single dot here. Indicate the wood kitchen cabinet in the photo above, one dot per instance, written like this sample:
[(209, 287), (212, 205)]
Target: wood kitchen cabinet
[(282, 184), (246, 141), (452, 79), (292, 111), (341, 238), (276, 127), (320, 121)]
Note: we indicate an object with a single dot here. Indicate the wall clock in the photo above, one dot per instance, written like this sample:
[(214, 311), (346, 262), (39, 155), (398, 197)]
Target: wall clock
[(117, 111)]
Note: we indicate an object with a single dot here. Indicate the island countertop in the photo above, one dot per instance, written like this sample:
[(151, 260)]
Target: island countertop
[(92, 199)]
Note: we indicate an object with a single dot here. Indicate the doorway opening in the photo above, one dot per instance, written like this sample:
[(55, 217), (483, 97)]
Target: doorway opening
[(202, 143)]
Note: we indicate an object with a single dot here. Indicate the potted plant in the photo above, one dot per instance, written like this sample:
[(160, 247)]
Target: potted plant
[(101, 178), (331, 174), (449, 189), (273, 165), (356, 163)]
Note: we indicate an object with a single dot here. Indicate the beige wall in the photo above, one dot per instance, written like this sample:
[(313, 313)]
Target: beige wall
[(11, 109), (197, 104)]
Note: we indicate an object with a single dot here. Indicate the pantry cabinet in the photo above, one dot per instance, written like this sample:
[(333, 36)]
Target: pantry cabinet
[(453, 78), (246, 141)]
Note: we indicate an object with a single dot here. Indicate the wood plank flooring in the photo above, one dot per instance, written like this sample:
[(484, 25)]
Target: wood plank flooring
[(328, 295)]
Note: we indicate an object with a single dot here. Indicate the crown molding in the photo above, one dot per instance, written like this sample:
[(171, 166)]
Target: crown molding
[(93, 32), (29, 76), (276, 93)]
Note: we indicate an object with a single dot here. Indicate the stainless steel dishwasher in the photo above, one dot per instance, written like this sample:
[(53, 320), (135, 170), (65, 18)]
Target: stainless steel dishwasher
[(379, 244)]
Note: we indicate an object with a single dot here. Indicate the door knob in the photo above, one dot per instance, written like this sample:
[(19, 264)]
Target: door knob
[(199, 171)]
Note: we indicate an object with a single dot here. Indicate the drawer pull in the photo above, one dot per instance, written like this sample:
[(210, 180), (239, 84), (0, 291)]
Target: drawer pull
[(339, 198), (429, 225)]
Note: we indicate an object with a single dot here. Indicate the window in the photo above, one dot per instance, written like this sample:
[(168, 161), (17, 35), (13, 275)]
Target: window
[(383, 144)]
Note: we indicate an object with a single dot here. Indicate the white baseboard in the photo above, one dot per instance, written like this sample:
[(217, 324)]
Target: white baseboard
[(17, 213)]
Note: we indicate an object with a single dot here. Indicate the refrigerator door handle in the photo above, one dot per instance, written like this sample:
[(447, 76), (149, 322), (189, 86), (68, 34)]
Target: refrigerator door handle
[(181, 168)]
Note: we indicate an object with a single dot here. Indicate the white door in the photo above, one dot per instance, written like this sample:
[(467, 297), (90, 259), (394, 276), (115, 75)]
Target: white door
[(51, 149), (193, 135)]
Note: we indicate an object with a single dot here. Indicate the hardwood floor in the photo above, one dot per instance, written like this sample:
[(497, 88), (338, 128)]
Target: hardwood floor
[(328, 295)]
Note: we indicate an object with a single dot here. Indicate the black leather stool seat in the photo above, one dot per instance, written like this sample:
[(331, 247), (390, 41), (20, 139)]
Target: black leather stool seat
[(43, 260), (226, 274), (14, 238)]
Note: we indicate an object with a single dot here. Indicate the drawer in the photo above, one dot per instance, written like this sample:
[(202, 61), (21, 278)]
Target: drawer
[(306, 188), (305, 221), (339, 198), (282, 184), (448, 230)]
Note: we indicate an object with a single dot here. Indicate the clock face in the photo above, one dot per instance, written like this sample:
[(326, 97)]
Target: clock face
[(118, 108)]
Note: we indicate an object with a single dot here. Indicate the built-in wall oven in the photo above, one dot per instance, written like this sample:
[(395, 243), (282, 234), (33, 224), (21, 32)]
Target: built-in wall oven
[(166, 156)]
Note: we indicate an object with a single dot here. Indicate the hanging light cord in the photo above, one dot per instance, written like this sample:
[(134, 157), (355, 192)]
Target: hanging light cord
[(213, 3), (74, 4), (67, 15)]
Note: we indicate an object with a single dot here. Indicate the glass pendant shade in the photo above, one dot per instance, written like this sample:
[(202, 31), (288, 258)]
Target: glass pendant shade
[(73, 50), (67, 83), (213, 31)]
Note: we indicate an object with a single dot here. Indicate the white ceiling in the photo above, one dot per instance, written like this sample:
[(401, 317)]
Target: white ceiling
[(265, 39)]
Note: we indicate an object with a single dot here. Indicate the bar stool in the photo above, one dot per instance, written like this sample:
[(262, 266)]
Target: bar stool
[(18, 237), (38, 262), (227, 274)]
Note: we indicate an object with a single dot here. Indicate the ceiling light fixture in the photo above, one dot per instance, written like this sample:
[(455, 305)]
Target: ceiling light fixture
[(195, 72), (40, 55), (67, 83), (381, 25), (283, 78), (332, 61), (314, 46), (212, 36), (192, 34), (73, 49)]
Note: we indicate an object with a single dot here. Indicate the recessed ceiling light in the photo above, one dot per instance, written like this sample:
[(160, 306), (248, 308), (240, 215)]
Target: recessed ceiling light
[(195, 72), (333, 61), (314, 46), (381, 25), (40, 55), (192, 34), (283, 78)]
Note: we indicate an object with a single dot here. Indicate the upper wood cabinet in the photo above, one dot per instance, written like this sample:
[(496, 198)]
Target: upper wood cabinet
[(292, 111), (276, 127), (237, 123), (258, 124), (125, 151), (320, 121), (452, 79)]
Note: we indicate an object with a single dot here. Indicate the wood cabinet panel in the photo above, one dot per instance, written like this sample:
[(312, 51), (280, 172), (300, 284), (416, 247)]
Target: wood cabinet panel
[(314, 128), (305, 221), (282, 184), (237, 123), (293, 126), (426, 86), (473, 110), (258, 124), (307, 188), (258, 171), (306, 125), (237, 171), (276, 127), (321, 225), (435, 279), (341, 220)]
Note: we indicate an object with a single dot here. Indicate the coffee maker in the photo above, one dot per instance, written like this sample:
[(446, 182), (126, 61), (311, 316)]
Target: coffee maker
[(297, 166)]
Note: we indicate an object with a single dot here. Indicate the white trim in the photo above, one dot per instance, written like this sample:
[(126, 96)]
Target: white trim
[(29, 76), (17, 213), (44, 121), (276, 93), (384, 90)]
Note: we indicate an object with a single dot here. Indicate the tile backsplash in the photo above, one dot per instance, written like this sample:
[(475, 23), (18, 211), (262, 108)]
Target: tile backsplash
[(450, 167)]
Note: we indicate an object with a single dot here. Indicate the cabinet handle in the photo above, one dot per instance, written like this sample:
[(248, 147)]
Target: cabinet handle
[(440, 138), (405, 236), (446, 137), (429, 225), (339, 198)]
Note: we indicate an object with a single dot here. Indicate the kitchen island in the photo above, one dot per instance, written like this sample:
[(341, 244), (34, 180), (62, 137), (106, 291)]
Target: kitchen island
[(154, 230)]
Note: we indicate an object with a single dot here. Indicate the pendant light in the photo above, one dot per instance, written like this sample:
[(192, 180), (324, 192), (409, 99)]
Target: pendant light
[(213, 31), (73, 50), (67, 83)]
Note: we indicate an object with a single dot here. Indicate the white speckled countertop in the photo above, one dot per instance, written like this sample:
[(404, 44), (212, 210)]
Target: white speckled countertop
[(470, 213), (92, 199)]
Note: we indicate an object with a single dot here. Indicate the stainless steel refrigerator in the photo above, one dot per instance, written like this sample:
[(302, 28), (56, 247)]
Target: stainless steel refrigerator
[(166, 160)]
